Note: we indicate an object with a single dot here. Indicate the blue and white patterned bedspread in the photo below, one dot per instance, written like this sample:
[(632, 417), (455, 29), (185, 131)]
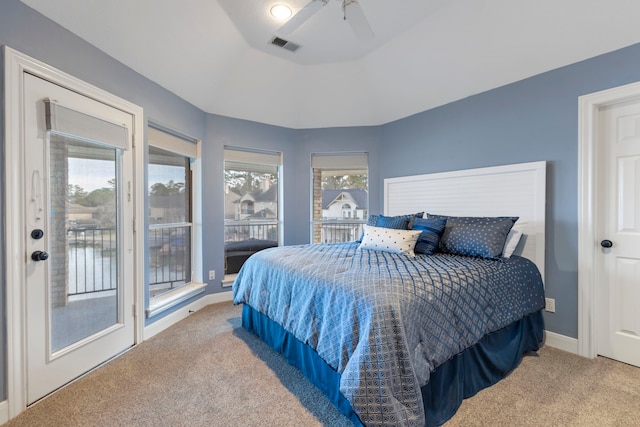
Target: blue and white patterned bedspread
[(384, 321)]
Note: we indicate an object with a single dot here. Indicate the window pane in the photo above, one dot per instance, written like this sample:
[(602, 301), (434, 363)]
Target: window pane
[(170, 221), (251, 211), (340, 204), (168, 187)]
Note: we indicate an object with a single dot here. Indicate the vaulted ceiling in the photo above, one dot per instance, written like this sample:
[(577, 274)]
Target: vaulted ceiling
[(217, 54)]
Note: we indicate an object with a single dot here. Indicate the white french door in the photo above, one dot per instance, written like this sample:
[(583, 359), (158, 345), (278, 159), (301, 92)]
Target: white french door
[(618, 269), (78, 206)]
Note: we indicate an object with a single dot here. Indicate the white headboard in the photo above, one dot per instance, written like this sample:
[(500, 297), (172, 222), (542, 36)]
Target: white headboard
[(511, 190)]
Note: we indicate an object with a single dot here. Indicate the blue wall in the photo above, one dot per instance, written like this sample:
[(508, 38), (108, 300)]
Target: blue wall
[(535, 119)]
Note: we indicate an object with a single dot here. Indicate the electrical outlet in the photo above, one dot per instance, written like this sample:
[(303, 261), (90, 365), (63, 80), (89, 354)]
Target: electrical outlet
[(212, 274), (550, 305)]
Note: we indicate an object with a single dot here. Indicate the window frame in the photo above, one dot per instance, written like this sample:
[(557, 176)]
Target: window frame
[(259, 158), (336, 161), (178, 143)]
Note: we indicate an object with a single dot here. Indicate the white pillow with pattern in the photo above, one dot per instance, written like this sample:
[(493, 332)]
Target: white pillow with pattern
[(389, 240)]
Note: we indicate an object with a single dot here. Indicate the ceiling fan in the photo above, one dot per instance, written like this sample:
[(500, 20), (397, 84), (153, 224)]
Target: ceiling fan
[(351, 12)]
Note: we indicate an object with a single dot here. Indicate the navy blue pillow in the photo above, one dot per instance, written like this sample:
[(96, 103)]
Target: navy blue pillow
[(475, 236), (399, 222), (429, 239)]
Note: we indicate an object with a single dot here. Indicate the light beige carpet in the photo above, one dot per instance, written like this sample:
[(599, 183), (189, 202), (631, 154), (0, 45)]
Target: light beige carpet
[(208, 371)]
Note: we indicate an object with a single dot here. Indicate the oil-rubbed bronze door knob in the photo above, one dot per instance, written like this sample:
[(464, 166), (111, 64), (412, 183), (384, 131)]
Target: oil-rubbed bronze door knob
[(39, 256), (606, 243)]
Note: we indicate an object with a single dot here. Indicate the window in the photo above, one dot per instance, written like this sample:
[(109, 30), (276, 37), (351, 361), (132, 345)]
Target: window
[(251, 206), (340, 196), (170, 171)]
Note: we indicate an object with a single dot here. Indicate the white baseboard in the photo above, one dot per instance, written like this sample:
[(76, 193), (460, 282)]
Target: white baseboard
[(4, 411), (561, 342), (173, 318)]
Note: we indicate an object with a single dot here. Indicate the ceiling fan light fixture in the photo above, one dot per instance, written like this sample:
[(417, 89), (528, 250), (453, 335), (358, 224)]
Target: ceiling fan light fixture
[(280, 12)]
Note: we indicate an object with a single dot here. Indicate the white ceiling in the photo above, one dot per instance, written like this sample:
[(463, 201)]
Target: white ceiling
[(216, 53)]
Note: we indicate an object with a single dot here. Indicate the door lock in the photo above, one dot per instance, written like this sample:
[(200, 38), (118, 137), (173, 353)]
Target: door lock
[(606, 243), (39, 255), (37, 234)]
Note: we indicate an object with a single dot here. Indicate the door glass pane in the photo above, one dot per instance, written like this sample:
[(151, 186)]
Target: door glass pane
[(84, 244)]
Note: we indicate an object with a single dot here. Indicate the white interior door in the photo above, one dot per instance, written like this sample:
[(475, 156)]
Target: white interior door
[(79, 234), (618, 272)]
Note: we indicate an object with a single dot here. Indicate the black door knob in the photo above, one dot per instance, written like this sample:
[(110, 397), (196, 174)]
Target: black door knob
[(39, 256), (606, 243)]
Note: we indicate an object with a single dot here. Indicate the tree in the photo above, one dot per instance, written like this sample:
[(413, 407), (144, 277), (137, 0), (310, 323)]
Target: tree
[(345, 182), (99, 197), (244, 181), (160, 189), (75, 193)]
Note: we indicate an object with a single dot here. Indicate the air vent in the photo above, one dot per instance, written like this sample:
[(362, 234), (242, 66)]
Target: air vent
[(285, 44)]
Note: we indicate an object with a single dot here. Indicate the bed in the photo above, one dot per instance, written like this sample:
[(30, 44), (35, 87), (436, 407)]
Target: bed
[(396, 338)]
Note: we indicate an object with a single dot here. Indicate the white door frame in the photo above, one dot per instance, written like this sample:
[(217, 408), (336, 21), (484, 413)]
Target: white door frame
[(588, 241), (16, 64)]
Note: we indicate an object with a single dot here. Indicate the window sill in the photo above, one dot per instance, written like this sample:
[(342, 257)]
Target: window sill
[(164, 302), (228, 280)]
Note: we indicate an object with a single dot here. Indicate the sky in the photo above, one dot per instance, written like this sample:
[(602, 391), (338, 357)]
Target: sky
[(93, 174)]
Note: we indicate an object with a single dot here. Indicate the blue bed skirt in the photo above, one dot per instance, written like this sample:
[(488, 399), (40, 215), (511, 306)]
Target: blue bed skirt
[(478, 367)]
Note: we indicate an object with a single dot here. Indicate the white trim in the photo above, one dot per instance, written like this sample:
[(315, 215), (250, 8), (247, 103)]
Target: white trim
[(561, 342), (16, 64), (173, 318), (164, 302), (588, 108), (228, 280), (159, 304), (4, 411)]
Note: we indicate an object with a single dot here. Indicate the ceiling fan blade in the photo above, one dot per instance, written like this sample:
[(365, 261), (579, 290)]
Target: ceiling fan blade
[(302, 16), (355, 16)]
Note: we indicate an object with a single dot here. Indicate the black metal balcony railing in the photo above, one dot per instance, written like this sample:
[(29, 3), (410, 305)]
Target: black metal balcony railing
[(237, 231), (333, 231), (92, 262), (337, 231), (169, 257)]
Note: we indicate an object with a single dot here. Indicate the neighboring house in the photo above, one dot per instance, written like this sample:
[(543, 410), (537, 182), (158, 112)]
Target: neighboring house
[(82, 216), (344, 204), (258, 204), (231, 198)]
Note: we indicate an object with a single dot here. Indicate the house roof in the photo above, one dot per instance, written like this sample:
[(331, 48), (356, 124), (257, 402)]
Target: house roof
[(263, 213), (271, 195), (360, 197)]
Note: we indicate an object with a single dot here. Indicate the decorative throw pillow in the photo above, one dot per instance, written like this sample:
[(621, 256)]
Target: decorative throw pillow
[(475, 236), (400, 222), (389, 240), (397, 222), (431, 231)]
